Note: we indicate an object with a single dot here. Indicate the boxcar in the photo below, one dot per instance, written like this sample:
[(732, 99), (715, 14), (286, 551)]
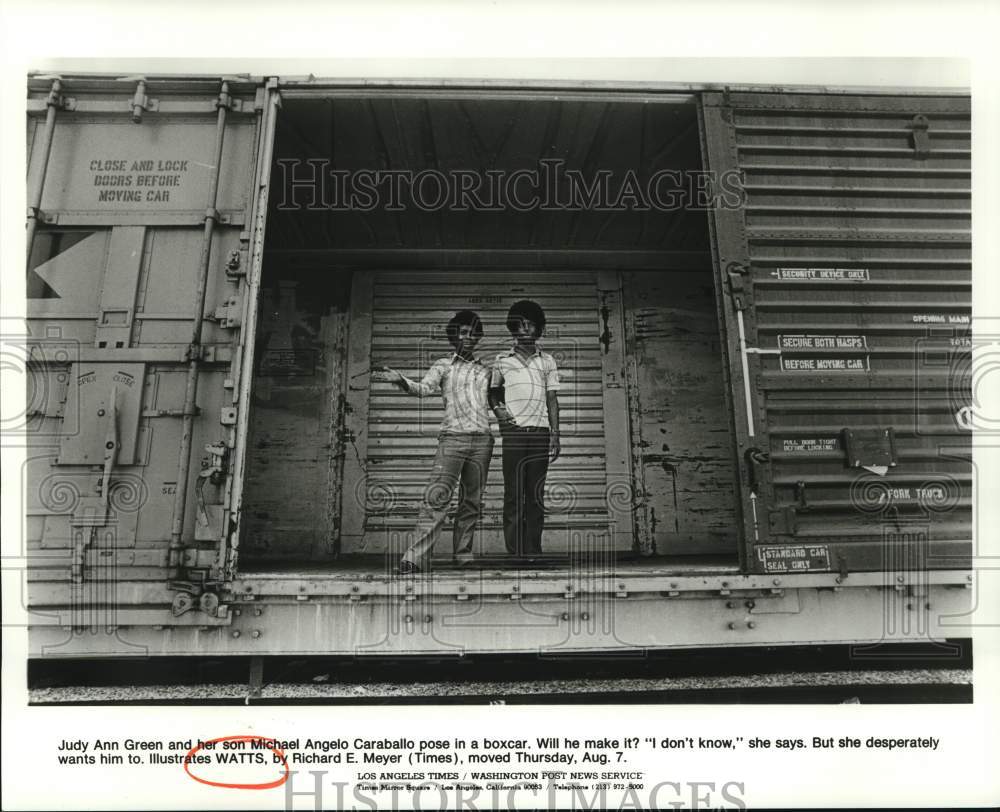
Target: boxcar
[(759, 300)]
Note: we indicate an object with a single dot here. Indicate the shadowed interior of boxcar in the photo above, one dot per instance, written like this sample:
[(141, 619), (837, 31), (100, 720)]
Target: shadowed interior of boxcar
[(338, 460)]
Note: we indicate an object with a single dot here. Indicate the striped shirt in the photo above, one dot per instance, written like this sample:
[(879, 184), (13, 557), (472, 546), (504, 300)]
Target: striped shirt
[(526, 381), (463, 386)]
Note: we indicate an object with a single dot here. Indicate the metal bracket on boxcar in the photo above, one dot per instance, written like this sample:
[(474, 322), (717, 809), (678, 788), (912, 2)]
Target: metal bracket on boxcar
[(800, 494), (842, 567), (229, 315), (142, 103), (235, 265), (919, 127), (756, 460), (871, 449), (783, 521), (208, 520), (738, 275), (188, 592)]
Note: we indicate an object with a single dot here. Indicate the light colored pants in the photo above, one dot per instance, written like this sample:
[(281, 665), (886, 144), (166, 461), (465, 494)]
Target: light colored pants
[(462, 461)]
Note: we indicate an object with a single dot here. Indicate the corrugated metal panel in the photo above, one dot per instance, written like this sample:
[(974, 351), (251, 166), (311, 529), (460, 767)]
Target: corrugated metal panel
[(408, 317), (112, 284), (857, 316)]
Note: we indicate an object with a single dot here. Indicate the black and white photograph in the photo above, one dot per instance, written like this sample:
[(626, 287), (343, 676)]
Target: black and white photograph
[(442, 437)]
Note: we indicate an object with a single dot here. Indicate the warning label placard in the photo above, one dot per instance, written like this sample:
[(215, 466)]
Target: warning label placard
[(798, 558), (798, 364)]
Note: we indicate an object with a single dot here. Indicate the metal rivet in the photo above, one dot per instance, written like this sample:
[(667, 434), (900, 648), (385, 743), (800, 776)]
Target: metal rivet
[(839, 580), (515, 589), (732, 626), (751, 604), (673, 586), (237, 612), (236, 633), (776, 581), (565, 615), (100, 412), (408, 619), (730, 605), (427, 618), (409, 589), (725, 584), (751, 625), (258, 612), (585, 616), (461, 589), (354, 589), (909, 607), (256, 633), (249, 589), (899, 579)]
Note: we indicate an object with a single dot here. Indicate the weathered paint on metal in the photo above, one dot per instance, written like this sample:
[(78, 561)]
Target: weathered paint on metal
[(114, 311), (436, 625), (856, 315), (919, 251)]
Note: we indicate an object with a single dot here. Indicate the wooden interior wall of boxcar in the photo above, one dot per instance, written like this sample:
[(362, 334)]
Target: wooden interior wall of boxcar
[(394, 436), (291, 496), (682, 434)]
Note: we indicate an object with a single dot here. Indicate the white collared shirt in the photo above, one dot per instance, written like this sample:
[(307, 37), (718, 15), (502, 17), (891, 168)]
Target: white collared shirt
[(526, 380), (463, 386)]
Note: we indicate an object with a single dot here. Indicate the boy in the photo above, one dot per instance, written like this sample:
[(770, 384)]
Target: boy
[(524, 384), (465, 444)]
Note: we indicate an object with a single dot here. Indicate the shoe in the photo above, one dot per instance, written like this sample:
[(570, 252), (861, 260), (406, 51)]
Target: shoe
[(408, 568)]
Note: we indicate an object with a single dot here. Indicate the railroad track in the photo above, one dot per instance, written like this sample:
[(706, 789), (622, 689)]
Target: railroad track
[(831, 674)]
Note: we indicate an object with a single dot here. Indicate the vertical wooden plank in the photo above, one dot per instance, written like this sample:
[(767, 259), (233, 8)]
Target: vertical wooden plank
[(359, 342), (619, 489), (643, 531), (334, 334)]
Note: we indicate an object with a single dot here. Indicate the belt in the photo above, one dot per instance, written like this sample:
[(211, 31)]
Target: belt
[(528, 428)]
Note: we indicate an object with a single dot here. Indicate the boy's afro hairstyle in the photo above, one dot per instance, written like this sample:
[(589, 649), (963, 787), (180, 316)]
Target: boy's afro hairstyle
[(526, 309), (464, 318)]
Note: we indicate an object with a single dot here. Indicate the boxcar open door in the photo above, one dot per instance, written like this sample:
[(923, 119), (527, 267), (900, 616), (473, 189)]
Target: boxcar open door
[(844, 276), (146, 212)]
